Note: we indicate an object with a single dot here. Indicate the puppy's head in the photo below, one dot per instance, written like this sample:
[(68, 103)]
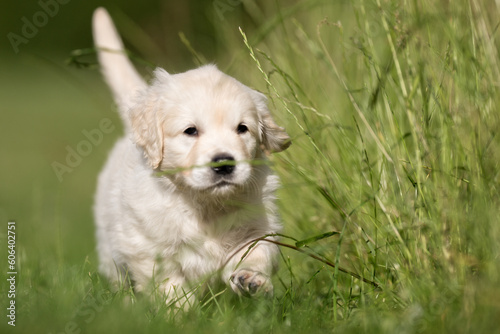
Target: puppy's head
[(206, 126)]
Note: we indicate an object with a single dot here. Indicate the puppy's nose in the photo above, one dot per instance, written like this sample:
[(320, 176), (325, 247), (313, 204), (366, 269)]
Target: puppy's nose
[(223, 168)]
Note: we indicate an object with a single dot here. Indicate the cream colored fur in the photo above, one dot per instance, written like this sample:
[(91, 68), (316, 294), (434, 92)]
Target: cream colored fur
[(162, 213)]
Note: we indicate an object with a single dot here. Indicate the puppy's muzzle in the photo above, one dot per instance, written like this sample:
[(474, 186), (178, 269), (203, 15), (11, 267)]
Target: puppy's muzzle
[(225, 164)]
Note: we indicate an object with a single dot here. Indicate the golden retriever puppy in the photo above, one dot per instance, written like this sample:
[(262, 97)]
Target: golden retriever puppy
[(185, 190)]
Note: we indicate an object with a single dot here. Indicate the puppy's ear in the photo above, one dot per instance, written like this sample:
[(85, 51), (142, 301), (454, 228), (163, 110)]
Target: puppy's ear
[(274, 138), (147, 122)]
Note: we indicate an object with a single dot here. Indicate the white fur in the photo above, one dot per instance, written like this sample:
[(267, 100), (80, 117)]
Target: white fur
[(160, 211)]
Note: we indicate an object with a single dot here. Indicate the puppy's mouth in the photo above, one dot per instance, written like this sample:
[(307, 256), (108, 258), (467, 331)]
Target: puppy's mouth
[(223, 184), (221, 187), (221, 178)]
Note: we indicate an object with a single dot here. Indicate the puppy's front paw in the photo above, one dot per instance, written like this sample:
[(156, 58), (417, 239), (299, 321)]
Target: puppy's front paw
[(251, 283)]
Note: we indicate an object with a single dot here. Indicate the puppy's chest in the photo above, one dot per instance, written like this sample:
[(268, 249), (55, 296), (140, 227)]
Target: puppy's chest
[(196, 245), (203, 252), (210, 239)]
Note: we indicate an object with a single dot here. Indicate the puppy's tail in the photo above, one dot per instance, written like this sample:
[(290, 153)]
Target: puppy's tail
[(116, 67)]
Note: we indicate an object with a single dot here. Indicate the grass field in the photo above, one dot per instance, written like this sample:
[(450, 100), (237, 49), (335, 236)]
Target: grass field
[(391, 107)]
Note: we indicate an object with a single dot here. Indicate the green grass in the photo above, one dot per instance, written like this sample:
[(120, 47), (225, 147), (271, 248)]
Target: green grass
[(392, 111)]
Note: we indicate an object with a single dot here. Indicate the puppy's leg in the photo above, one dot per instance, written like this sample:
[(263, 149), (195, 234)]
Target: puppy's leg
[(251, 276), (176, 293), (111, 265)]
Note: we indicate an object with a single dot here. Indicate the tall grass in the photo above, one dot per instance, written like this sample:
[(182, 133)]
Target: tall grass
[(395, 147), (392, 176)]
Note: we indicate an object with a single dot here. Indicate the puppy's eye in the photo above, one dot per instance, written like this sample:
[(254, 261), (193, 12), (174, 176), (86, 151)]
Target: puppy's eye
[(191, 131), (242, 128)]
